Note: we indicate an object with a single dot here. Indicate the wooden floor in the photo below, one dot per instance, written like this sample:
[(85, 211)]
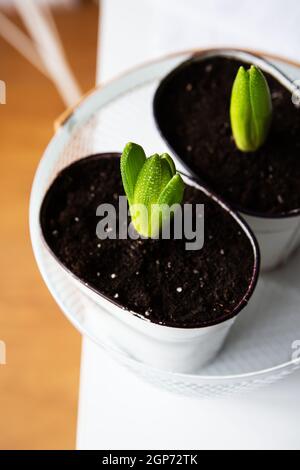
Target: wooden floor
[(39, 384)]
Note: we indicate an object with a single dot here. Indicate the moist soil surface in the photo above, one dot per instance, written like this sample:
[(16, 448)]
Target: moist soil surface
[(192, 111), (156, 279)]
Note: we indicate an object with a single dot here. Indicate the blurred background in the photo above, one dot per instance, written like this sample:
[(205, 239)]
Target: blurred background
[(39, 384), (50, 55)]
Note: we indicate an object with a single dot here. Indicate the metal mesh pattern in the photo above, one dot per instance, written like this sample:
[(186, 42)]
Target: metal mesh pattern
[(259, 349)]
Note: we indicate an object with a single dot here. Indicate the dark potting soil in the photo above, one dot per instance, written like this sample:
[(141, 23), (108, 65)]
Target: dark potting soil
[(157, 279), (192, 111)]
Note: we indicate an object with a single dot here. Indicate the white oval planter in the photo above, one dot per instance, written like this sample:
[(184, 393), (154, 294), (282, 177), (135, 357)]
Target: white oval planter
[(171, 349), (278, 236), (180, 350)]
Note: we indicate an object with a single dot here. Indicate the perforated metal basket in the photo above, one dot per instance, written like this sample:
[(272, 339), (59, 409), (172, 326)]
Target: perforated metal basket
[(262, 347)]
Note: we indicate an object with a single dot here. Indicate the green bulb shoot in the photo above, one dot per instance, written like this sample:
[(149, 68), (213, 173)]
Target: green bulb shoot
[(152, 185), (251, 109)]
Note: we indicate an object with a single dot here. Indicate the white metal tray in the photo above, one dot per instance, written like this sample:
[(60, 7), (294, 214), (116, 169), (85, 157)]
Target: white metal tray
[(263, 345)]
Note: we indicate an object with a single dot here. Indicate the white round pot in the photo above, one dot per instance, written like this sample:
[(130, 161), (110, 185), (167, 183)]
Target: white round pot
[(171, 349), (278, 236), (181, 350)]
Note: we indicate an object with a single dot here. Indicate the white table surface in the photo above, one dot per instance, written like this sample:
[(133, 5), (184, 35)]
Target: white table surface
[(119, 411), (116, 409)]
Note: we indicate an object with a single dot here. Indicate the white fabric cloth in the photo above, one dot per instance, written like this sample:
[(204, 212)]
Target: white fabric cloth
[(137, 30)]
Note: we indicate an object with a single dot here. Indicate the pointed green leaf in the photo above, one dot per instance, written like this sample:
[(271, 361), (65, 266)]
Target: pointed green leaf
[(132, 162), (149, 184), (173, 192), (166, 173), (146, 193), (240, 111), (147, 188), (167, 159), (171, 195), (261, 104), (251, 109)]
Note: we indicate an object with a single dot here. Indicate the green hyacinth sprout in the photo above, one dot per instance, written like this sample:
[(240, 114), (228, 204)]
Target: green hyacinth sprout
[(151, 185), (251, 109)]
